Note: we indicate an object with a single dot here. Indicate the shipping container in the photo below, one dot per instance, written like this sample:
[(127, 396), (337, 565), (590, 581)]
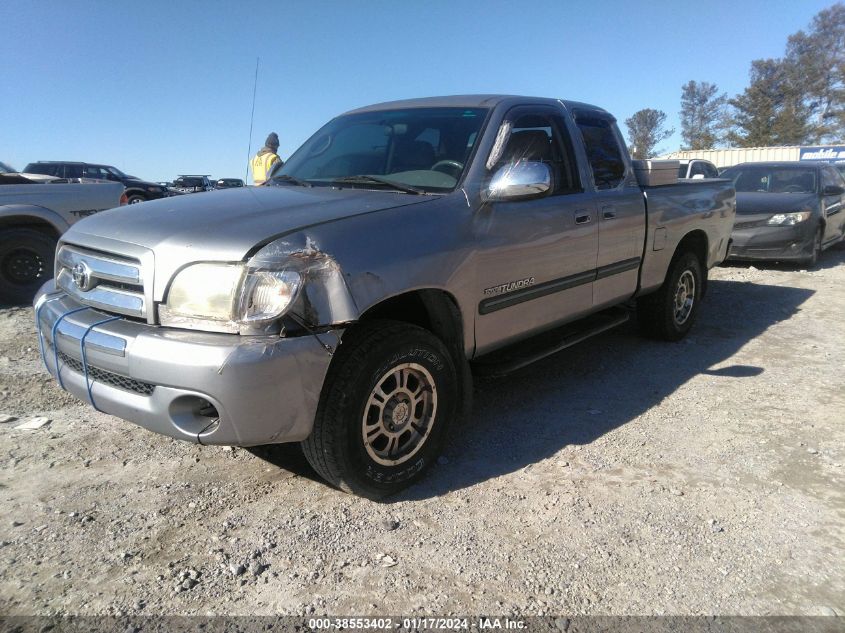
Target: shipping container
[(735, 155)]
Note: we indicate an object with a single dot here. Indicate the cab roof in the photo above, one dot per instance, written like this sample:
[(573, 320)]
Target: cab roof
[(472, 101)]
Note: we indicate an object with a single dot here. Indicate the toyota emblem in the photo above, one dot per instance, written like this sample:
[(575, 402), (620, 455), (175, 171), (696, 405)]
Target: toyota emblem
[(82, 276)]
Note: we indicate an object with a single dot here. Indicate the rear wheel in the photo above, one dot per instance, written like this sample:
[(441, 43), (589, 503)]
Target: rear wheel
[(386, 407), (135, 199), (669, 313), (26, 262)]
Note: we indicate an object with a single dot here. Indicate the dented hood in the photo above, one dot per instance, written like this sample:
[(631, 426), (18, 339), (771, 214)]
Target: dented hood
[(222, 225)]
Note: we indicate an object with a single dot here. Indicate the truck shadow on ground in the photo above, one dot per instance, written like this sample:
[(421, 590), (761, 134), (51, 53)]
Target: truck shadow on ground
[(580, 394)]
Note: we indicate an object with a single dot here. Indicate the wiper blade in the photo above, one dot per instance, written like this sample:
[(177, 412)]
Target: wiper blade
[(292, 180), (375, 180)]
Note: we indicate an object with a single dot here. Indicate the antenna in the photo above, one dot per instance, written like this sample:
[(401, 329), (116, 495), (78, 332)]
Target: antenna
[(251, 118)]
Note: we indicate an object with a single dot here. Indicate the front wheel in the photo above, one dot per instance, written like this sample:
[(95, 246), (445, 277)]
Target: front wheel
[(813, 259), (669, 313), (26, 262), (135, 199), (389, 399)]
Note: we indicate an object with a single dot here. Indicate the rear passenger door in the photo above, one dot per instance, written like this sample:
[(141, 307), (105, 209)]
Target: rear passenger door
[(621, 208), (536, 258)]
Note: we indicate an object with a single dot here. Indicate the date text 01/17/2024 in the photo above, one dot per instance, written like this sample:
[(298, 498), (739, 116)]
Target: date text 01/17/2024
[(417, 623)]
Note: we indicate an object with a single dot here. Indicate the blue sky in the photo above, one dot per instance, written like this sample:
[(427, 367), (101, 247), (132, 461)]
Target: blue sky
[(161, 88)]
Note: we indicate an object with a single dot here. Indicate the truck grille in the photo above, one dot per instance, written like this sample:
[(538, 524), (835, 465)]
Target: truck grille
[(107, 377), (111, 283)]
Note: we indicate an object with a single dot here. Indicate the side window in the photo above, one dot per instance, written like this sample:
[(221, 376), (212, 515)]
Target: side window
[(832, 177), (45, 169), (542, 136), (74, 171), (602, 150)]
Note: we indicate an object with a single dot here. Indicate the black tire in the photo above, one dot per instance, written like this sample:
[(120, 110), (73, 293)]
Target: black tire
[(26, 262), (135, 199), (658, 314), (366, 358), (813, 259)]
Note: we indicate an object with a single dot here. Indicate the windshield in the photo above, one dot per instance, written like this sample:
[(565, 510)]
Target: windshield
[(188, 182), (760, 178), (115, 171), (6, 169), (424, 148)]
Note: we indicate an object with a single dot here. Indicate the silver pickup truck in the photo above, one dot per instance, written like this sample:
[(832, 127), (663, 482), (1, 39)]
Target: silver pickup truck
[(34, 211), (345, 304)]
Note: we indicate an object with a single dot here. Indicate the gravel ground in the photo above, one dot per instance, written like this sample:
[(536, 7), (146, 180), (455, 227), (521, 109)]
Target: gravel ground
[(622, 476)]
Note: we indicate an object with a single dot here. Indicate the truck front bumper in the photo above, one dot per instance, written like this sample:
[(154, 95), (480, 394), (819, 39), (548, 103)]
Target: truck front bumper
[(782, 243), (197, 386)]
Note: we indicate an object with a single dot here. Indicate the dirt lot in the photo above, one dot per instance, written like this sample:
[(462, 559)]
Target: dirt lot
[(623, 476)]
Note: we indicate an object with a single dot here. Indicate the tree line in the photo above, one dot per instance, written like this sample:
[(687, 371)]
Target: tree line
[(797, 99)]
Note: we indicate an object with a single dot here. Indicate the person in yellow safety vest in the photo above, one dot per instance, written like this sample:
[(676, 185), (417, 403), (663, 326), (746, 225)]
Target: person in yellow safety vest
[(266, 159)]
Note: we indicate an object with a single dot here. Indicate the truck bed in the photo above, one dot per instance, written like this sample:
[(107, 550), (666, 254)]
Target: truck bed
[(673, 211)]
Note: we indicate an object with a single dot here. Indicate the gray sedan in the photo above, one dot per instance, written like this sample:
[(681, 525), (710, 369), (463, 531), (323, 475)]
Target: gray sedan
[(786, 211)]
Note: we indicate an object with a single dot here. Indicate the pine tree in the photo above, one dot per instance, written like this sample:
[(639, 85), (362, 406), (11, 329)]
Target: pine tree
[(771, 111), (818, 58), (799, 99), (645, 131), (702, 114)]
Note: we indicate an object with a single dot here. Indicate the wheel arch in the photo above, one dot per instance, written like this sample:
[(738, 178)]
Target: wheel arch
[(135, 191), (432, 309), (696, 242), (37, 219)]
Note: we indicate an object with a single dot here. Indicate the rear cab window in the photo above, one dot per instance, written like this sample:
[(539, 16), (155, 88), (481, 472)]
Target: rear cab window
[(710, 171), (603, 150), (45, 169)]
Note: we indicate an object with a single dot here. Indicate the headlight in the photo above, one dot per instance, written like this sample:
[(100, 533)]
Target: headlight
[(789, 219), (205, 291), (224, 296)]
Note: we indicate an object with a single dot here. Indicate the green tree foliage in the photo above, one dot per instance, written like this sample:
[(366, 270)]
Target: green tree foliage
[(800, 98), (772, 110), (645, 130), (702, 114), (818, 59)]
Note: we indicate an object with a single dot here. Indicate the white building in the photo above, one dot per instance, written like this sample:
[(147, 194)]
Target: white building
[(735, 155)]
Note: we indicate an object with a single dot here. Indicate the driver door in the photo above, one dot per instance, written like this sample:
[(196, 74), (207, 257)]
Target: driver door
[(536, 260)]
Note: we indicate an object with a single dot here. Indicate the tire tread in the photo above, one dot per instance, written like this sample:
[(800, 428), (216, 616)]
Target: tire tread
[(319, 446)]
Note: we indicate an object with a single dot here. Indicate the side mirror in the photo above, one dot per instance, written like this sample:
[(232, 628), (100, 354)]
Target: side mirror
[(520, 181), (833, 190)]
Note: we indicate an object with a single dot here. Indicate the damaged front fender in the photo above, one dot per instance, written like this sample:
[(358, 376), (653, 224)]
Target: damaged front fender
[(324, 298)]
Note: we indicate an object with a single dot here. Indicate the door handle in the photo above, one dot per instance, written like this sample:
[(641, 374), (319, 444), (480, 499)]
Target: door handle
[(608, 213), (583, 218)]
